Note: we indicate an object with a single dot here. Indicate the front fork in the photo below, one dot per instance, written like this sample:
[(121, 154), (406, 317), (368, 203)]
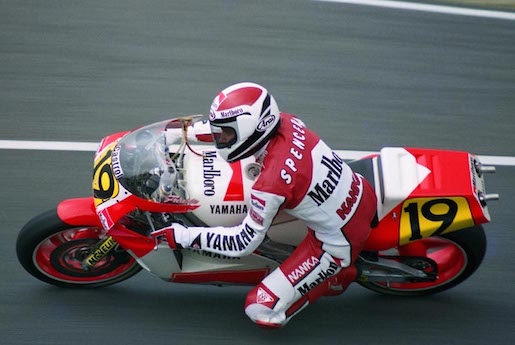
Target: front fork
[(101, 250), (107, 244)]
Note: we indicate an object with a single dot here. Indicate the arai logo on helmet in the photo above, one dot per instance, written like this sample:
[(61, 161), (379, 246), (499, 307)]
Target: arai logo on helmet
[(266, 122)]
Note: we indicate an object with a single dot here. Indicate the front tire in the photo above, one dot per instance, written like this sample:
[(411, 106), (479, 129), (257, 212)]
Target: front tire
[(457, 256), (52, 251)]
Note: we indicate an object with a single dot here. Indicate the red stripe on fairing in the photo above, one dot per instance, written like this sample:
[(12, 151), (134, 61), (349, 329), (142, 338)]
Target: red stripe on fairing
[(250, 277), (235, 189), (243, 96)]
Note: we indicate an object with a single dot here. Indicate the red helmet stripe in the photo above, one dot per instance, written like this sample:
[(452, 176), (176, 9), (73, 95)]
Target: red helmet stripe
[(221, 97), (243, 96)]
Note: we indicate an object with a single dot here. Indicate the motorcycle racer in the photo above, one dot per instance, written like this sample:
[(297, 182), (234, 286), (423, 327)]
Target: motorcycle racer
[(301, 176)]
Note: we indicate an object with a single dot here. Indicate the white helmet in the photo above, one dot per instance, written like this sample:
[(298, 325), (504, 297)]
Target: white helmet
[(243, 118)]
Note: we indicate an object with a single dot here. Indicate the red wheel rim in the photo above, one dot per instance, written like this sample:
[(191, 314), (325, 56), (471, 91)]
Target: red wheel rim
[(449, 257), (60, 256)]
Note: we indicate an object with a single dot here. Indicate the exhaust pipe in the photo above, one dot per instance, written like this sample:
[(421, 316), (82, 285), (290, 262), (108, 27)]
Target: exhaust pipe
[(484, 198), (481, 169), (487, 169)]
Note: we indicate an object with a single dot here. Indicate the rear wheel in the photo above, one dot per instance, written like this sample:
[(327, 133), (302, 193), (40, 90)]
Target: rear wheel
[(53, 251), (454, 257)]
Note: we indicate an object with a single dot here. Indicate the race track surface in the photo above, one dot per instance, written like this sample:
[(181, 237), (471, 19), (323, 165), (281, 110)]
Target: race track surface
[(362, 77)]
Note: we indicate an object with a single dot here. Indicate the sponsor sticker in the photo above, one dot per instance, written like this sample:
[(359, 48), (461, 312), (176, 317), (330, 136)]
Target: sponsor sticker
[(257, 202), (210, 172), (303, 269), (256, 217), (266, 123), (263, 296), (228, 209), (322, 276), (115, 160), (231, 113), (105, 219)]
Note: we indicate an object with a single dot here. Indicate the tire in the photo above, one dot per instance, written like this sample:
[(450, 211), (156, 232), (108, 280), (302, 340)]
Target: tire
[(51, 251), (462, 254)]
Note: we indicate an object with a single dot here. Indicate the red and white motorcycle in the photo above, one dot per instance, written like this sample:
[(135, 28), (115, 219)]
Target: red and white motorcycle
[(427, 236)]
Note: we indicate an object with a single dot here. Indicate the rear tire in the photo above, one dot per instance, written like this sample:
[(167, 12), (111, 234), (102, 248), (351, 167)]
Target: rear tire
[(465, 252), (51, 251)]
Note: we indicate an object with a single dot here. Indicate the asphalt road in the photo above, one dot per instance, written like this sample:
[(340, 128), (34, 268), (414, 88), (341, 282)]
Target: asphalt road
[(362, 77)]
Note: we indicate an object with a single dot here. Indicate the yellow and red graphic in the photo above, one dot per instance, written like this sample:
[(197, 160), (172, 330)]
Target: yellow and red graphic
[(424, 217), (105, 185)]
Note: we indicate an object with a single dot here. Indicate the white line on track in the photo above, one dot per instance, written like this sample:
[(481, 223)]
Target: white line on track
[(92, 147), (47, 145), (402, 5)]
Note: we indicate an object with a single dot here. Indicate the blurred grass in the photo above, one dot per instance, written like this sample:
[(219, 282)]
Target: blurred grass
[(490, 4)]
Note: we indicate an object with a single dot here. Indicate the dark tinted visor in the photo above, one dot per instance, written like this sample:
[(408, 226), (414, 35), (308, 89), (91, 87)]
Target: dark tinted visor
[(223, 136)]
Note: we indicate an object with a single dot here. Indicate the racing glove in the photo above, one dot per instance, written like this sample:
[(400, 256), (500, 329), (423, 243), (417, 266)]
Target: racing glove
[(169, 234)]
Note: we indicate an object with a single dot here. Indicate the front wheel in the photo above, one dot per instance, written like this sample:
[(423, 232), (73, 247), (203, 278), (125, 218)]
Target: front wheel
[(456, 255), (53, 251)]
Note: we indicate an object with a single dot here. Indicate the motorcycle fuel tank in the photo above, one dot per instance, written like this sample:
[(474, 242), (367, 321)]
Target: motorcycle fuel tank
[(223, 189)]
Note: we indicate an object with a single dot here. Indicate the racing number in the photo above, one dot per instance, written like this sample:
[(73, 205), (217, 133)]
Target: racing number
[(424, 217), (105, 186), (446, 218)]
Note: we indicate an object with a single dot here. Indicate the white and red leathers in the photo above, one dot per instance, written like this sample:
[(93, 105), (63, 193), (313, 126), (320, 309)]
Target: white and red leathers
[(301, 176)]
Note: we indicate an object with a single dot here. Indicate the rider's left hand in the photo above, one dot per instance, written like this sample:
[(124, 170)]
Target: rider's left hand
[(169, 234)]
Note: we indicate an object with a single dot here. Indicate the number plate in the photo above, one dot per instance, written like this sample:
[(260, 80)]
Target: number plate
[(105, 185), (424, 217)]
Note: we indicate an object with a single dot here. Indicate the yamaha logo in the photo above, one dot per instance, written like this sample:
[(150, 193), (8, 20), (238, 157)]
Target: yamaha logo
[(266, 123)]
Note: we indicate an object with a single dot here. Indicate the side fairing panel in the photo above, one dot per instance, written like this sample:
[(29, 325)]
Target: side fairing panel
[(422, 193), (79, 211), (223, 189), (194, 266)]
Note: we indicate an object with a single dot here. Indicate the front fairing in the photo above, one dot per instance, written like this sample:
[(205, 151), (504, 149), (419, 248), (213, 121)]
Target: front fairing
[(141, 155), (136, 170)]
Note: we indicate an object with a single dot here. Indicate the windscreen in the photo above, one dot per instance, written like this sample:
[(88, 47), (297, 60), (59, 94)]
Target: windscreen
[(142, 162)]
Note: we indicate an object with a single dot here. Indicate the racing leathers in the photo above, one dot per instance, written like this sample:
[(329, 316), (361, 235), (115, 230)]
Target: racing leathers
[(303, 177)]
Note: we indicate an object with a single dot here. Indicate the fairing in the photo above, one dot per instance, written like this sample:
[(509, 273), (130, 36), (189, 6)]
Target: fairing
[(421, 193), (136, 171)]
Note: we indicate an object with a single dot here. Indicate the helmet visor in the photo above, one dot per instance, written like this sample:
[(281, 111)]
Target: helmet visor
[(223, 136)]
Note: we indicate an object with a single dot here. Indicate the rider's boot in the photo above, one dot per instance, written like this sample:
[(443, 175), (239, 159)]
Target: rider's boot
[(337, 284), (274, 301)]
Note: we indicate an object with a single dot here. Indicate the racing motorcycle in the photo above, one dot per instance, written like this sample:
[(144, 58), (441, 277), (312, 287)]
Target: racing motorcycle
[(426, 237)]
